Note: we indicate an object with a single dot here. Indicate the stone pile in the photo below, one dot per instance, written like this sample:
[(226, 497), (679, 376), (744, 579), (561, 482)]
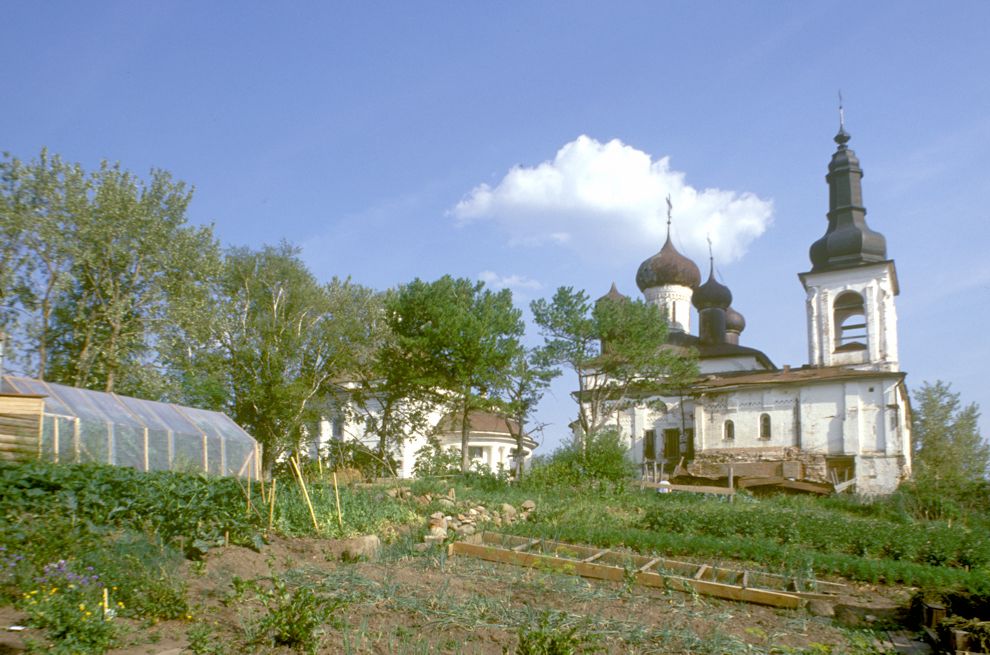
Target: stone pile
[(464, 519)]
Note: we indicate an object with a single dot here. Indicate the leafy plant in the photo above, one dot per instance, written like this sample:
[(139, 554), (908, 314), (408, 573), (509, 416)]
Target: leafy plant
[(68, 607), (551, 635), (294, 616)]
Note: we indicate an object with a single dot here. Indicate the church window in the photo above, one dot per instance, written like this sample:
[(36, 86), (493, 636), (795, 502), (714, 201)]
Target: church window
[(671, 445), (850, 322), (729, 431), (476, 452), (649, 445), (764, 426)]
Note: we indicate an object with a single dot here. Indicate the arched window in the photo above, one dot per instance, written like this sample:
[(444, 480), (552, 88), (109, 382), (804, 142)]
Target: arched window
[(729, 431), (850, 322), (764, 426)]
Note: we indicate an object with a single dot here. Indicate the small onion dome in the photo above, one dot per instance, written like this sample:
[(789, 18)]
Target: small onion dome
[(712, 294), (667, 267), (734, 321), (614, 295)]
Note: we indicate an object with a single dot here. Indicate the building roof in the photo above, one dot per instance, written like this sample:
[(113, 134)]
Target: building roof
[(789, 376), (482, 422)]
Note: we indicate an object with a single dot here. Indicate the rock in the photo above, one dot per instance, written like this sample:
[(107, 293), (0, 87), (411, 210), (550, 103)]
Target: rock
[(859, 616), (466, 529), (446, 502), (366, 548), (419, 548), (433, 540), (452, 494), (528, 505), (393, 492), (821, 608), (439, 531)]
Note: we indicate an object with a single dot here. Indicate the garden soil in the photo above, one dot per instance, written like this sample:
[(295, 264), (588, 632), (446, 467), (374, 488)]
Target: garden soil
[(412, 602)]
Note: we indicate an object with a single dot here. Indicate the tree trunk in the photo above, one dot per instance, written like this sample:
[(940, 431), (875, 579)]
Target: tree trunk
[(465, 433)]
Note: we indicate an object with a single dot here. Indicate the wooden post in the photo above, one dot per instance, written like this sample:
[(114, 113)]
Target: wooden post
[(170, 441), (271, 506), (336, 493), (76, 439), (110, 443), (305, 493), (732, 486), (147, 463), (55, 439), (206, 456)]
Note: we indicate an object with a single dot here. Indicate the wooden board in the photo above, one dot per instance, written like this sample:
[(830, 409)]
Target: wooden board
[(618, 574), (810, 589)]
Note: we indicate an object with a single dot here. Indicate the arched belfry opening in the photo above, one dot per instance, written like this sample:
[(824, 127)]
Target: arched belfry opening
[(849, 319)]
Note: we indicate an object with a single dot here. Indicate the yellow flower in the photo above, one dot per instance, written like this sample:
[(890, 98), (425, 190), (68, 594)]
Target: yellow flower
[(82, 607), (120, 605), (89, 614), (54, 589)]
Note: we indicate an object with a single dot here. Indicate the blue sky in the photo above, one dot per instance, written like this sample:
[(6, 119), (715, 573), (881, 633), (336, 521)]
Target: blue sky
[(364, 133)]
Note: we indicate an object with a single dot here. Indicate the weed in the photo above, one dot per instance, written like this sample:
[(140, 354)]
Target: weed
[(203, 640), (555, 634), (293, 616), (68, 607)]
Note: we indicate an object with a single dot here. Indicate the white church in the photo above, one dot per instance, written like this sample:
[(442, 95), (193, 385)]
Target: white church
[(841, 419)]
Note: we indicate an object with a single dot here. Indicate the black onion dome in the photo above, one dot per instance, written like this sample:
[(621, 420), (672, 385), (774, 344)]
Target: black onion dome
[(734, 321), (712, 293), (613, 295), (667, 267)]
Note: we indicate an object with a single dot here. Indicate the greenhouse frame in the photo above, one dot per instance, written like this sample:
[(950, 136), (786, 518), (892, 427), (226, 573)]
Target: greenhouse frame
[(58, 423)]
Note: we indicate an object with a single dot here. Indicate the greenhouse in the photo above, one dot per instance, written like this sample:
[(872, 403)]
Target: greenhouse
[(66, 424)]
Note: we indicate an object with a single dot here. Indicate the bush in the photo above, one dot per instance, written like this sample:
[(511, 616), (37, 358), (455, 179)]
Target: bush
[(598, 458), (433, 459)]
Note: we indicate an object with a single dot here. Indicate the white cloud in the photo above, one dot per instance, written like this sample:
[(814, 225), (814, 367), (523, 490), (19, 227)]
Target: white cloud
[(514, 282), (605, 199)]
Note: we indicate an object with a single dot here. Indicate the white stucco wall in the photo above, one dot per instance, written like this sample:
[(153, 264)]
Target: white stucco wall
[(877, 284)]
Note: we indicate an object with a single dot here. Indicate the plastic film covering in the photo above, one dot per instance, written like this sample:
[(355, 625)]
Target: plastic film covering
[(80, 425)]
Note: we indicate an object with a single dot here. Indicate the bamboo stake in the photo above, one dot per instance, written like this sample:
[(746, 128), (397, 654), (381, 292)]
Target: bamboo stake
[(336, 493), (249, 496), (271, 506), (106, 602), (302, 485)]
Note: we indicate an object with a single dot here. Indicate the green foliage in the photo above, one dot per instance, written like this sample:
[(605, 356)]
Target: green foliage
[(279, 343), (107, 278), (457, 338), (195, 511), (68, 607), (616, 349), (598, 458), (554, 634), (433, 460), (292, 616), (203, 640), (950, 457)]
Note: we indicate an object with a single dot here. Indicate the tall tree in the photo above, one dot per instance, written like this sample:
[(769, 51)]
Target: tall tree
[(614, 347), (528, 378), (949, 453), (457, 338), (281, 343), (106, 269), (41, 204), (381, 391)]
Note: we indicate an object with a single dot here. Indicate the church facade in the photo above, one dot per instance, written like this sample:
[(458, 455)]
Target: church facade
[(841, 419)]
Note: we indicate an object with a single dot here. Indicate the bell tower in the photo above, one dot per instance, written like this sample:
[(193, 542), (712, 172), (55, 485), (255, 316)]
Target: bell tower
[(851, 286)]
